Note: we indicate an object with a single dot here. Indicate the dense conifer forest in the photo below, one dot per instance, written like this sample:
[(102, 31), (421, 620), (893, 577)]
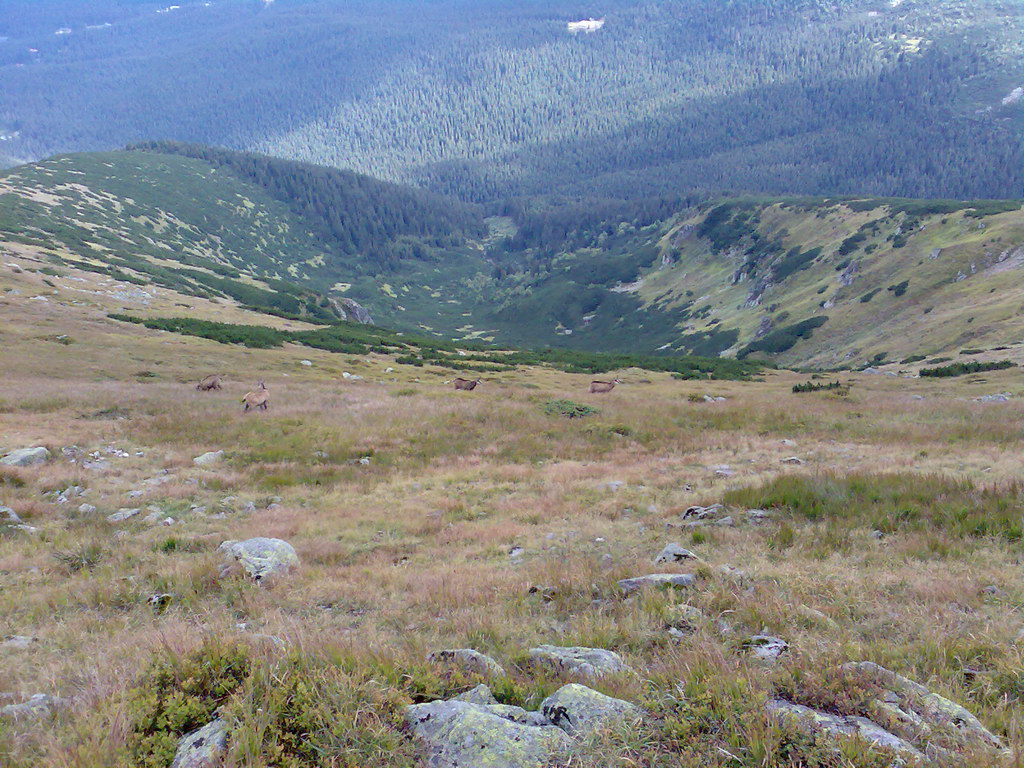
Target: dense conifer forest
[(493, 99)]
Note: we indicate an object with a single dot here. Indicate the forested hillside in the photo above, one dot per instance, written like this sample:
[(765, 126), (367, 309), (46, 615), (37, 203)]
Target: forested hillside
[(491, 99), (827, 281)]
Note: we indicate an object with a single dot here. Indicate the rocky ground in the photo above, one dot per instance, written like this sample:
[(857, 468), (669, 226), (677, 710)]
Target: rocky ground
[(381, 571)]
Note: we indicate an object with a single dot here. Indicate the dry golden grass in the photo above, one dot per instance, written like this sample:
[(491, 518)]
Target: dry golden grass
[(410, 552)]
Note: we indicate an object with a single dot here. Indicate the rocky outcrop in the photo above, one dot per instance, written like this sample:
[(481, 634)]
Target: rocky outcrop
[(204, 748), (25, 457), (840, 728), (915, 723), (585, 662), (261, 557), (35, 708), (907, 704), (349, 309)]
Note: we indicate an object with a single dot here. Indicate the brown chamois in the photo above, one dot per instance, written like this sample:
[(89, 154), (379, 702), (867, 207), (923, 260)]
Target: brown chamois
[(466, 384), (210, 382), (600, 387), (258, 398)]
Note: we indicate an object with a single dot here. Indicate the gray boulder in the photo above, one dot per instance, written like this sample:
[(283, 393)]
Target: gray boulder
[(469, 660), (678, 580), (208, 459), (582, 711), (262, 557), (586, 662), (204, 748), (457, 734), (25, 457), (673, 553)]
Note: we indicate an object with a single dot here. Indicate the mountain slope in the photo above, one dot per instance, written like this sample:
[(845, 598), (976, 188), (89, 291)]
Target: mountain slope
[(490, 98), (802, 281)]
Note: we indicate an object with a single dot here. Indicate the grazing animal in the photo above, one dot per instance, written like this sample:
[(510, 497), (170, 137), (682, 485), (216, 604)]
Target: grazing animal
[(600, 387), (466, 384), (258, 398), (210, 382)]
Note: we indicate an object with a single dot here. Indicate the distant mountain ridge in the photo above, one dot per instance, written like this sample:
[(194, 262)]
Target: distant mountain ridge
[(829, 282), (489, 99)]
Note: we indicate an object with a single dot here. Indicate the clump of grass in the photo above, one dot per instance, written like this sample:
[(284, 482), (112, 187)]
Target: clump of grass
[(569, 409), (898, 502), (84, 557)]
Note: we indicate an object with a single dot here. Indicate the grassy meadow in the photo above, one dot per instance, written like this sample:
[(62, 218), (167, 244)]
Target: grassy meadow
[(426, 518)]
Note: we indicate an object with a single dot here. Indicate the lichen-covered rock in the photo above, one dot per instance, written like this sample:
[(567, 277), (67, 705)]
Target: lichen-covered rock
[(37, 707), (912, 700), (204, 748), (262, 557), (673, 553), (25, 457), (582, 711), (585, 662), (835, 727), (469, 660), (678, 580), (458, 734)]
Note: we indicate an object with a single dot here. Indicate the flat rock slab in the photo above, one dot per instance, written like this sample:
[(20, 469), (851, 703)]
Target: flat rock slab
[(457, 734), (586, 662), (678, 580), (25, 457), (262, 557), (766, 647), (204, 748), (468, 660), (918, 703), (582, 711), (673, 553)]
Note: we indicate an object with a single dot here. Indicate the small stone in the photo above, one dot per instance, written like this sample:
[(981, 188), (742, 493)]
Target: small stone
[(876, 534), (37, 707), (480, 695), (792, 460), (306, 363), (726, 522), (86, 509)]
